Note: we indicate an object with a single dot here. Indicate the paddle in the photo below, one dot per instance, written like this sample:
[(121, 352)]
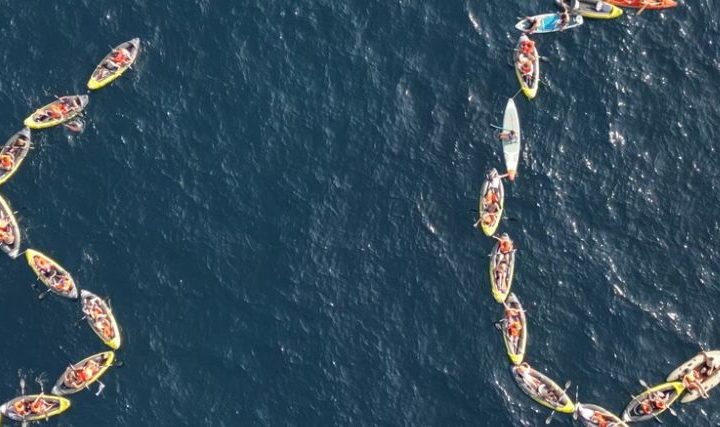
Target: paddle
[(548, 420), (500, 127), (644, 384), (575, 413), (44, 294), (80, 320), (101, 387)]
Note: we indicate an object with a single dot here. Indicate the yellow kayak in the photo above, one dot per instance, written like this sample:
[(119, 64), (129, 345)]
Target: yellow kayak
[(515, 346), (57, 112), (51, 274), (542, 389), (46, 406), (114, 64), (101, 319), (529, 79), (16, 148), (11, 245), (69, 383)]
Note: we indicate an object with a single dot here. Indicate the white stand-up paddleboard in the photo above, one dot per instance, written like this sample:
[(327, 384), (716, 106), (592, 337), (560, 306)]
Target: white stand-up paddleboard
[(511, 149)]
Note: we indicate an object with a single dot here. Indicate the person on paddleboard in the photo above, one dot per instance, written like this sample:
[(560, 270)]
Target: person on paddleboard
[(691, 382), (564, 17), (533, 23), (710, 365)]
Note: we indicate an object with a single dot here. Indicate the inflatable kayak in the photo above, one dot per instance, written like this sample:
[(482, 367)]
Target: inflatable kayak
[(101, 319), (594, 416), (511, 147), (34, 407), (10, 232), (515, 346), (13, 153), (542, 389), (114, 64), (548, 23), (81, 375), (492, 202), (643, 408), (502, 267), (597, 9), (529, 79), (699, 365), (57, 112), (647, 4), (51, 274)]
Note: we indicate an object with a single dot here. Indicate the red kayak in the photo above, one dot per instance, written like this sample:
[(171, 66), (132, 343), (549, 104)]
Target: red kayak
[(647, 4)]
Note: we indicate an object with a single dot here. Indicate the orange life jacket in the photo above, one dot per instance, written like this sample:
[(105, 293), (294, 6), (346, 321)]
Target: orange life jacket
[(505, 246)]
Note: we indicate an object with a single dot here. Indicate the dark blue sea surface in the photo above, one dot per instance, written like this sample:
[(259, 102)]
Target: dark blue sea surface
[(277, 200)]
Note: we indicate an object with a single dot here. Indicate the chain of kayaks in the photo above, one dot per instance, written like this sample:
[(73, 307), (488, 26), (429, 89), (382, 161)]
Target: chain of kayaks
[(79, 376), (689, 381)]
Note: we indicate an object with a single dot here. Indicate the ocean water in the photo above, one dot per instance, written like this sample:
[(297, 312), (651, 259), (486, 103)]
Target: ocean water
[(278, 201)]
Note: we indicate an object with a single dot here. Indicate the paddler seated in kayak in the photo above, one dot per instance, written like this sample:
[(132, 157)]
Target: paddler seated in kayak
[(514, 329), (487, 219), (94, 311), (525, 65), (5, 224), (506, 245), (77, 378), (62, 284), (522, 371), (691, 382), (20, 408), (7, 237), (599, 419), (7, 161), (527, 47), (655, 402), (105, 327), (39, 406), (120, 56), (18, 146), (501, 274), (44, 266)]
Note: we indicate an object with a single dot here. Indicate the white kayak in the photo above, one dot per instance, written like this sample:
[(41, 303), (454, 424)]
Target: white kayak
[(697, 363), (548, 23), (511, 148)]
